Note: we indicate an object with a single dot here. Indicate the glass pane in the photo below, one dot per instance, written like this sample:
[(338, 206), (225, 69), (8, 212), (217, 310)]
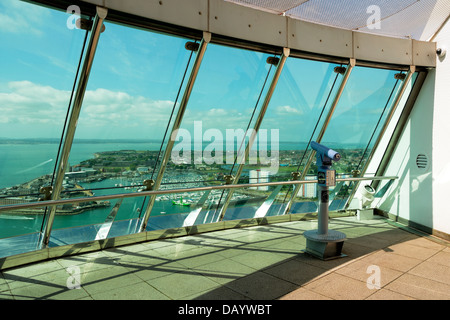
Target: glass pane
[(360, 107), (184, 209), (357, 121), (225, 95), (383, 117), (19, 244), (252, 202), (225, 101), (40, 55), (80, 223), (298, 106), (132, 92)]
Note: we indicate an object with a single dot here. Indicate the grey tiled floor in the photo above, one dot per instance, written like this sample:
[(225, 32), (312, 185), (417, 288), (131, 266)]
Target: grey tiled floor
[(262, 262)]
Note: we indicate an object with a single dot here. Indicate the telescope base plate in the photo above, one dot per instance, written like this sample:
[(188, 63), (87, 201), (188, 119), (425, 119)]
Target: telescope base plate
[(325, 246)]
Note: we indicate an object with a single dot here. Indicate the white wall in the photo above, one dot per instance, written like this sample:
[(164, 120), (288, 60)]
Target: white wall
[(441, 137), (411, 195), (423, 195)]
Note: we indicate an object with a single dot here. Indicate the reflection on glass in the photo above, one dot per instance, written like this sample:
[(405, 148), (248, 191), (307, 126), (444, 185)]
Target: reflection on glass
[(40, 55), (356, 123), (224, 100), (185, 209), (253, 202), (96, 220), (132, 92), (223, 105), (360, 107), (300, 99)]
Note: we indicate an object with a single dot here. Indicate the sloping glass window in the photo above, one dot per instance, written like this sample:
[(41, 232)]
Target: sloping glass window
[(132, 93), (40, 55), (298, 106), (360, 107), (356, 123), (224, 104)]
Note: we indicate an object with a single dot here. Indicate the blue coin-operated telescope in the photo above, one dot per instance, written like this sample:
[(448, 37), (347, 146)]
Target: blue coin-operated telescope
[(323, 243), (325, 176)]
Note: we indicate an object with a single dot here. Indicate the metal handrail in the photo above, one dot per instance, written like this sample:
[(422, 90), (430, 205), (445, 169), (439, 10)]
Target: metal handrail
[(51, 203)]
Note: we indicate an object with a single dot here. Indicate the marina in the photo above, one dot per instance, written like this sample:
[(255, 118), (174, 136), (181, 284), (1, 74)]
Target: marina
[(97, 173)]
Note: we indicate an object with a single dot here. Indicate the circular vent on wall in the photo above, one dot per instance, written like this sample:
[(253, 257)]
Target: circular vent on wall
[(421, 161)]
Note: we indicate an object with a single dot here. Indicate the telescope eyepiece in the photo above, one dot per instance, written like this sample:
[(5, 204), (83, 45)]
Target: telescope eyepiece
[(325, 151)]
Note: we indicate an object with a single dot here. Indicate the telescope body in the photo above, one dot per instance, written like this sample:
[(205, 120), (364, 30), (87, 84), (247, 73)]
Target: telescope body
[(323, 152)]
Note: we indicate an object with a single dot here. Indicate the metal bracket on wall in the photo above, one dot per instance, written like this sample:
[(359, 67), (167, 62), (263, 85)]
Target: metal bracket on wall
[(86, 24)]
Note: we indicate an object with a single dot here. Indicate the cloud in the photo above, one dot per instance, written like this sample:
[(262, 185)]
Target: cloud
[(217, 112), (111, 113), (102, 107), (105, 113), (28, 103), (284, 110), (20, 17)]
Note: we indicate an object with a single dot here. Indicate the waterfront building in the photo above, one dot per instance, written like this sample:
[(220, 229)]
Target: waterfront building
[(259, 176)]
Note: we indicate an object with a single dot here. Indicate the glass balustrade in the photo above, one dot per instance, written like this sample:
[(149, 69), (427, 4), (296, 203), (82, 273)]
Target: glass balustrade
[(40, 58)]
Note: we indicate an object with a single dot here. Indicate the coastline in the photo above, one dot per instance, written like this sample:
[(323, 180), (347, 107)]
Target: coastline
[(59, 211)]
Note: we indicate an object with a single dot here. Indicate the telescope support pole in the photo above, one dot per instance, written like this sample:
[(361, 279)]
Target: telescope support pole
[(323, 210)]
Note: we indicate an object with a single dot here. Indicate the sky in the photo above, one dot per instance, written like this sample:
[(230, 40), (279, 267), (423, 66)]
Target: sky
[(136, 76)]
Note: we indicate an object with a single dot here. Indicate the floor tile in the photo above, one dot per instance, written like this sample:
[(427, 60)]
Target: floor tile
[(364, 271), (295, 271), (261, 286), (420, 288), (259, 262), (137, 291), (219, 293), (184, 284), (3, 284), (432, 271), (53, 278), (391, 260), (384, 294), (101, 280), (339, 287), (148, 270), (426, 242), (412, 251), (47, 292), (441, 257), (303, 294), (224, 271), (259, 259)]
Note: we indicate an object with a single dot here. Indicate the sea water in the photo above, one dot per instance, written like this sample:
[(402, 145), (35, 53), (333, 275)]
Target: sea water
[(23, 162)]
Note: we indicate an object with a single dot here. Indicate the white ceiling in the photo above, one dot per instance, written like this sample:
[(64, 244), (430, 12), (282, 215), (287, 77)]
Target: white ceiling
[(414, 19)]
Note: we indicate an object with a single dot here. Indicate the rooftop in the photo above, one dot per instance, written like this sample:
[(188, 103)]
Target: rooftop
[(254, 263)]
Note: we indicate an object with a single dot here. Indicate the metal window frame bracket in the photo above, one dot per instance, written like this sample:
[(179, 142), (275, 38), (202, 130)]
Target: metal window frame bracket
[(273, 84), (176, 125), (73, 120)]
